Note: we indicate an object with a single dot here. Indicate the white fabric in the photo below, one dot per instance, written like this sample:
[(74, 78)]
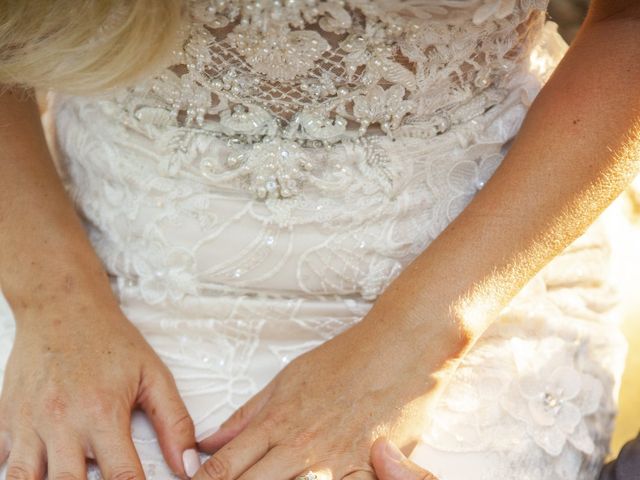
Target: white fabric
[(252, 200)]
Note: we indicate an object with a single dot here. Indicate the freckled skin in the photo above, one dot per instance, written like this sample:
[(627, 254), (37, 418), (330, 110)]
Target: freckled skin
[(78, 366), (78, 389), (69, 283)]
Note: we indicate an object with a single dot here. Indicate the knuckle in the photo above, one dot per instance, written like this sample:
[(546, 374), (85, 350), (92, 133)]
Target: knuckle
[(20, 471), (361, 473), (102, 406), (362, 476), (216, 468), (241, 415), (161, 375), (65, 476), (270, 420), (55, 406), (24, 411), (125, 473), (183, 424)]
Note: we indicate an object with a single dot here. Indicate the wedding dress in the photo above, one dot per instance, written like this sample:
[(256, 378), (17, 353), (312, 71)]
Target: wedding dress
[(254, 198)]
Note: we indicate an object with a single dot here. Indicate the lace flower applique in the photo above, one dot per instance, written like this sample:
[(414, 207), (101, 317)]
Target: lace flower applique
[(279, 54), (171, 280), (554, 398)]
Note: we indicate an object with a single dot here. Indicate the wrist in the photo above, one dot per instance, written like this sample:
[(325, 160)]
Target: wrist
[(450, 311), (436, 339), (60, 285)]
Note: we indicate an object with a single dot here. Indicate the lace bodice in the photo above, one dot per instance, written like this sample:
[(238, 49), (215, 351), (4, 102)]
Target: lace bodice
[(276, 79), (421, 99)]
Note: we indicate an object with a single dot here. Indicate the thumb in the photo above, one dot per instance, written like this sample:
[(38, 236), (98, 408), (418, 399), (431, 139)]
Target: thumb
[(160, 400), (391, 464), (237, 422)]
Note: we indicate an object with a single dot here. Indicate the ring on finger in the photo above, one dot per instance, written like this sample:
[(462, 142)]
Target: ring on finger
[(307, 476)]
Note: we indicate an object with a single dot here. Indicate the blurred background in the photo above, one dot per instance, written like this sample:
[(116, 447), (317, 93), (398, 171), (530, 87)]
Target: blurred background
[(568, 14)]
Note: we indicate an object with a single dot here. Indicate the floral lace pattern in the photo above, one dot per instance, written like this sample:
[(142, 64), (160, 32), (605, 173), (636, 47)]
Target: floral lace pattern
[(280, 76), (254, 199), (543, 402), (554, 398)]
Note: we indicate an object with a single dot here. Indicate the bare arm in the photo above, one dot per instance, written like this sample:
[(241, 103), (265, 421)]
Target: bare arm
[(45, 255), (78, 366), (577, 149)]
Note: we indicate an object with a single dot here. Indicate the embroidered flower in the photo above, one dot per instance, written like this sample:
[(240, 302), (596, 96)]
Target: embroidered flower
[(251, 120), (384, 106), (273, 168), (279, 54), (318, 126), (169, 276), (334, 17), (553, 399), (373, 52)]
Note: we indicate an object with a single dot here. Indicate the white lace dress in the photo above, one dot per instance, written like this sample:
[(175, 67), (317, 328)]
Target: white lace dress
[(252, 201)]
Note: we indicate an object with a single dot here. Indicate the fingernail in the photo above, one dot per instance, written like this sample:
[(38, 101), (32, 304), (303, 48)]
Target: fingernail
[(394, 452), (191, 462)]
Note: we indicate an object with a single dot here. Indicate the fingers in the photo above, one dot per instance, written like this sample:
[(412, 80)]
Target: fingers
[(279, 464), (284, 464), (316, 473), (391, 464), (4, 447), (237, 422), (116, 454), (66, 458), (361, 475), (27, 457), (173, 424), (5, 444), (235, 457)]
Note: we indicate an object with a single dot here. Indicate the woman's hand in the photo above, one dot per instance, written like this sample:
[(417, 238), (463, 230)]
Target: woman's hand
[(391, 464), (70, 385), (324, 411)]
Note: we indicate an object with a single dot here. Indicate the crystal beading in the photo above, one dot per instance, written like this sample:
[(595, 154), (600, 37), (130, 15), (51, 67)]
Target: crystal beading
[(300, 74)]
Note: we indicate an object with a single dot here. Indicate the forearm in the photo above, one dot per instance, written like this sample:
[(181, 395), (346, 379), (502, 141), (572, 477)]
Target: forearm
[(577, 149), (45, 255)]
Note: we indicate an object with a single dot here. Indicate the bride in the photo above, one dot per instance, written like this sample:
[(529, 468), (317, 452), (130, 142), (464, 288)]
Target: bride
[(262, 235)]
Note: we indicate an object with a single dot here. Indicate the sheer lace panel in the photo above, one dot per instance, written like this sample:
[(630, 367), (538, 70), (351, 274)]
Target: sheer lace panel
[(322, 70), (285, 81)]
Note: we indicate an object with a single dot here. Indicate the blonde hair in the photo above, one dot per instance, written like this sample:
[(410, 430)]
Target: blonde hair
[(84, 46)]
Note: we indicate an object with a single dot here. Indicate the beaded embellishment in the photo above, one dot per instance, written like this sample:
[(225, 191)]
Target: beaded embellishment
[(279, 77)]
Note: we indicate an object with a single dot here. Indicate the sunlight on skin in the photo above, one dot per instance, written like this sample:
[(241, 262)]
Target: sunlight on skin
[(483, 297)]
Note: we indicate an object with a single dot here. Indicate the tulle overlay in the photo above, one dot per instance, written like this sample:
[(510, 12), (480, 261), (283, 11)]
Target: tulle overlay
[(229, 276)]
